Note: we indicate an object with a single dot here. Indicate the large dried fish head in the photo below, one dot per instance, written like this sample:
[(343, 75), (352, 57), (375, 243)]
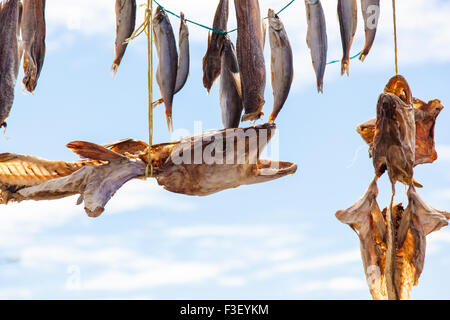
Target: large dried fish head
[(222, 159)]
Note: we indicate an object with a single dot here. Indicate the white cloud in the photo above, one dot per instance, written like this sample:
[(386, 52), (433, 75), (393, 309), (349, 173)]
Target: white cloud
[(15, 293), (320, 262)]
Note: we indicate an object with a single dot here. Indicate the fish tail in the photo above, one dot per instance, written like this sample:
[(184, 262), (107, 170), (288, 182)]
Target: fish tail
[(169, 122), (272, 118), (114, 69), (319, 86), (345, 67), (253, 116), (364, 54)]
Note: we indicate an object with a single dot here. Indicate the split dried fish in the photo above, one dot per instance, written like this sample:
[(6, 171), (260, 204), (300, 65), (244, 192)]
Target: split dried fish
[(371, 14), (9, 56), (348, 20), (317, 39), (125, 23), (166, 73), (282, 67), (230, 86), (33, 41), (251, 57), (211, 60), (104, 169)]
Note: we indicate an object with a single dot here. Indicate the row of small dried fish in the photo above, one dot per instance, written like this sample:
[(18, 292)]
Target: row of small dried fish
[(242, 70), (347, 13), (22, 33)]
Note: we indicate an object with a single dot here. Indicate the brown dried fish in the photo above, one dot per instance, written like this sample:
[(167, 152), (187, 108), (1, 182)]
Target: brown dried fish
[(166, 74), (371, 14), (230, 86), (211, 60), (125, 23), (395, 139), (199, 165), (411, 226), (9, 56), (425, 115), (251, 57), (282, 63), (348, 20), (33, 41)]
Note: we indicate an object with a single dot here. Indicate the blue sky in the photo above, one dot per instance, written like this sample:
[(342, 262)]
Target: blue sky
[(278, 240)]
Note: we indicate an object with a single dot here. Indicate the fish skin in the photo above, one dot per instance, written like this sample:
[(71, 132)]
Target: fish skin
[(230, 86), (348, 21), (317, 39), (251, 57), (166, 73), (211, 60), (125, 24), (183, 55), (282, 67), (370, 24), (9, 56), (33, 41)]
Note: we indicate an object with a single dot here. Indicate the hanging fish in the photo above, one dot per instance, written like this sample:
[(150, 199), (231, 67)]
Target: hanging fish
[(211, 60), (251, 57), (33, 41), (183, 54), (9, 56), (166, 74), (282, 67), (317, 39), (348, 20), (371, 14), (125, 23), (230, 86)]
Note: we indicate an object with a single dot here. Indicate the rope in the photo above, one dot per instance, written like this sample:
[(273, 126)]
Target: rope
[(395, 36), (351, 58), (149, 17)]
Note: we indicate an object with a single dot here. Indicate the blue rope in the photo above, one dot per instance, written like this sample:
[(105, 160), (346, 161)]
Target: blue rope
[(351, 58)]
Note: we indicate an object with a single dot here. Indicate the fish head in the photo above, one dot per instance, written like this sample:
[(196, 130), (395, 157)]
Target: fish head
[(221, 159)]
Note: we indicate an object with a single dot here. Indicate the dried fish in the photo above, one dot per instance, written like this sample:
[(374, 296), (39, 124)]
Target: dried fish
[(348, 20), (166, 74), (211, 60), (317, 39), (106, 169), (395, 139), (371, 14), (125, 23), (183, 55), (33, 41), (9, 56), (230, 86), (282, 67), (251, 57)]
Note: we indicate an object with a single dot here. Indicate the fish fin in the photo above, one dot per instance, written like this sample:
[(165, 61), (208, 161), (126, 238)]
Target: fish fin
[(93, 151), (157, 102), (417, 184)]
